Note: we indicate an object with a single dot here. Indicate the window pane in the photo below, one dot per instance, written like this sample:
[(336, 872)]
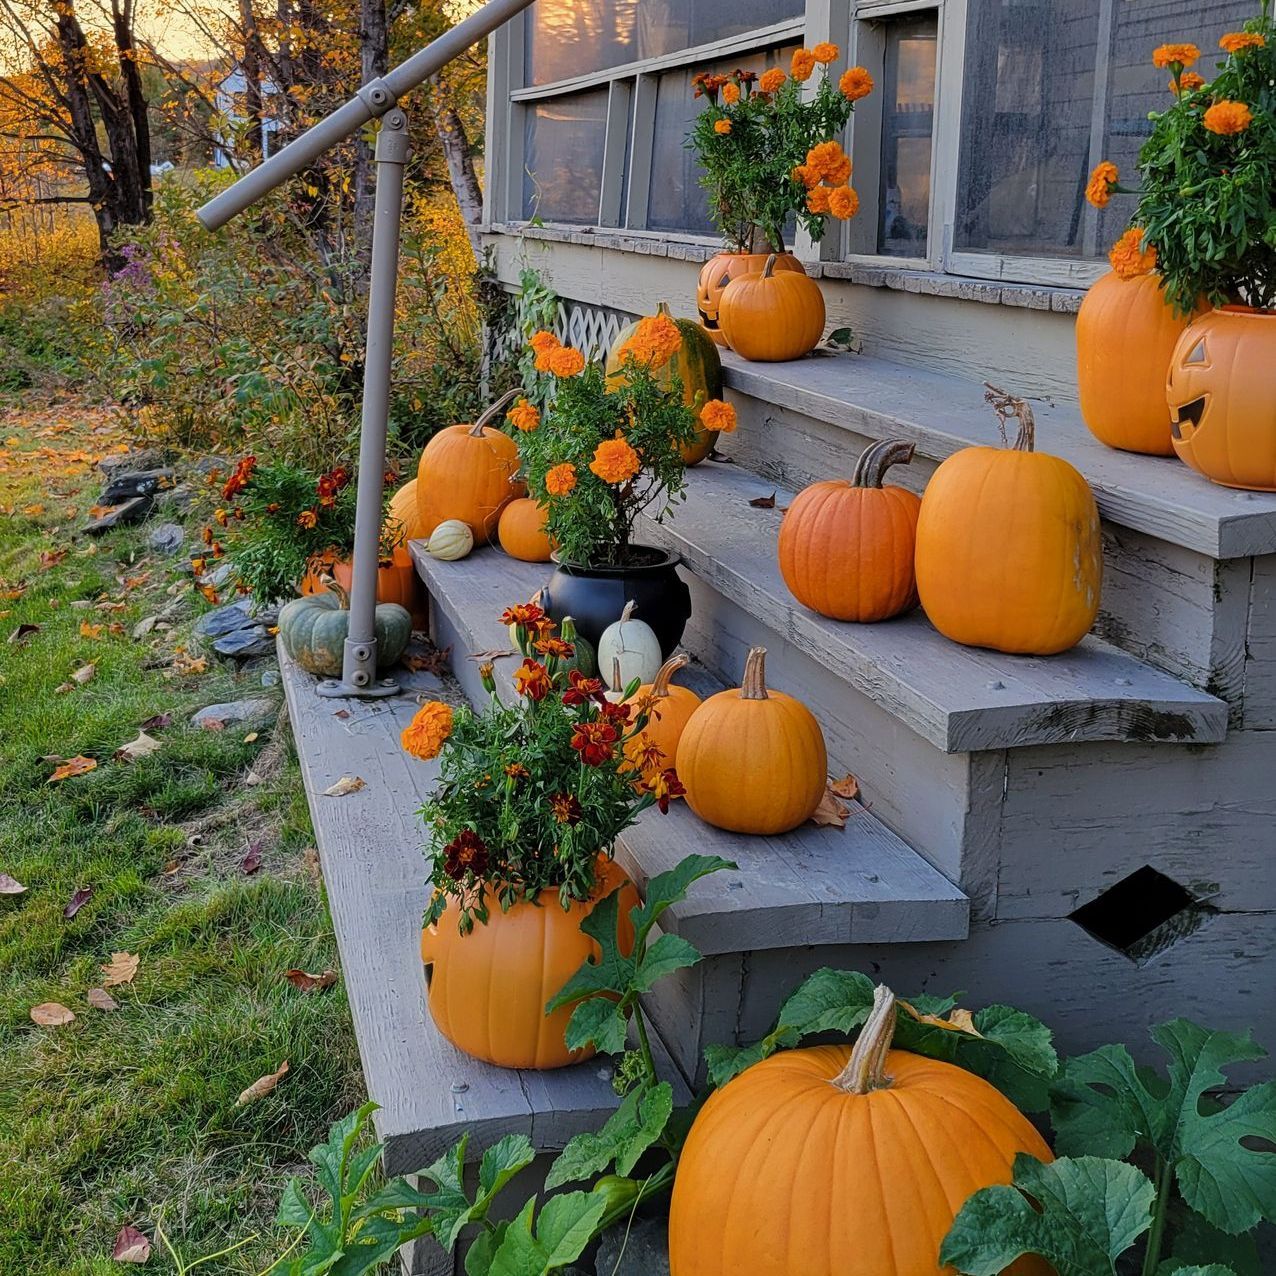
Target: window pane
[(564, 157), (576, 37), (676, 200), (907, 127)]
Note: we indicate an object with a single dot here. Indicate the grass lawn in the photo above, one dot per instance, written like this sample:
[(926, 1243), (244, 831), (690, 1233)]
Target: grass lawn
[(130, 1116)]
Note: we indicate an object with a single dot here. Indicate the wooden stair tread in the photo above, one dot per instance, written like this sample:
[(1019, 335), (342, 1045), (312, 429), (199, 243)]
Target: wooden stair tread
[(959, 698), (861, 884), (369, 845), (941, 414)]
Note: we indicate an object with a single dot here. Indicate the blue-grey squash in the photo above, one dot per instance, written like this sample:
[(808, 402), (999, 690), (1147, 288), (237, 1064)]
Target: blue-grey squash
[(314, 630)]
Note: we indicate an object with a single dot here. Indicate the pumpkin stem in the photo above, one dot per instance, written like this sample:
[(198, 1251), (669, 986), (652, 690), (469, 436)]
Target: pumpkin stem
[(663, 309), (679, 660), (866, 1070), (628, 610), (617, 687), (1007, 405), (769, 268), (492, 409), (753, 684), (877, 458), (342, 597)]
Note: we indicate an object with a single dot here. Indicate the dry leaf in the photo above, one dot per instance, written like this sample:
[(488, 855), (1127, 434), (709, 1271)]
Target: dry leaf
[(156, 722), (100, 999), (52, 557), (120, 969), (250, 737), (262, 1086), (116, 629), (310, 859), (848, 787), (485, 656), (212, 724), (85, 673), (433, 662), (33, 510), (144, 626), (82, 604), (138, 748), (343, 714), (306, 982), (830, 811), (51, 1014), (763, 502), (189, 664), (252, 861), (79, 765), (347, 784), (131, 1247), (10, 885), (90, 631), (77, 901), (23, 632)]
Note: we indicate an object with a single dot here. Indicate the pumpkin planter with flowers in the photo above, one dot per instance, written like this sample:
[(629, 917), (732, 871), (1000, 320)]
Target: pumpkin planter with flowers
[(531, 796), (1203, 222)]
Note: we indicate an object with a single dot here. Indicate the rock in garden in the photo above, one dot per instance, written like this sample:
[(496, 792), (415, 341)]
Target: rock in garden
[(167, 538), (646, 1249), (122, 462), (224, 620), (270, 678), (133, 510), (219, 576), (234, 711), (123, 487), (245, 644), (177, 499)]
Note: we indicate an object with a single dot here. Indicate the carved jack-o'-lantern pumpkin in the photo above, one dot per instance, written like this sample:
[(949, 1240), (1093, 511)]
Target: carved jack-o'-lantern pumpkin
[(720, 270), (1222, 397)]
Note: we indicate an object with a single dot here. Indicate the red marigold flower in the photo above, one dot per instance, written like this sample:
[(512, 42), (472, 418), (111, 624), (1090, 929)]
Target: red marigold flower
[(581, 690), (531, 679), (566, 808), (525, 614), (595, 742), (663, 786), (615, 710), (465, 852)]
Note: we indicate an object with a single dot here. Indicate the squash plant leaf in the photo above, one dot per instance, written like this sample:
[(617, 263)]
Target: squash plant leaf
[(612, 972), (1197, 1245), (500, 1163), (561, 1234), (1079, 1214), (599, 1022), (667, 954), (669, 888), (629, 1132), (1210, 1269)]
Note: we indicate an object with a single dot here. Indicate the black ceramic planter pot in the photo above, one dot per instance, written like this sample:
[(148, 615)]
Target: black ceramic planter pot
[(595, 596)]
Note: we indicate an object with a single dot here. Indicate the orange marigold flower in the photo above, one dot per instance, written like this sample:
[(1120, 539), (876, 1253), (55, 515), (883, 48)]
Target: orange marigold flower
[(1226, 118), (855, 84), (614, 460), (817, 199), (516, 771), (1169, 54), (1129, 258), (1099, 188), (1188, 82), (543, 340), (826, 51), (528, 615), (717, 415), (844, 202), (802, 65), (730, 94), (554, 647), (222, 516), (307, 519), (524, 416), (561, 479), (531, 679), (1238, 41), (655, 341), (424, 736), (771, 80), (722, 127), (829, 161), (566, 362)]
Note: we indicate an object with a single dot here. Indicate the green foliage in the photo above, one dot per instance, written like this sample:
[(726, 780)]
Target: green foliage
[(1208, 202)]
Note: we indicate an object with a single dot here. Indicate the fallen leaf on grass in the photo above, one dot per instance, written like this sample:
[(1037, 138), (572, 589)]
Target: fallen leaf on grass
[(23, 632), (156, 722), (848, 787), (212, 724), (100, 999), (77, 901), (116, 629), (85, 673), (131, 1247), (252, 860), (51, 1014), (63, 687), (190, 664), (306, 982), (250, 737), (310, 860), (138, 748), (52, 557), (347, 784), (79, 765), (90, 631), (33, 511), (262, 1086), (144, 626), (830, 811), (120, 969), (10, 885)]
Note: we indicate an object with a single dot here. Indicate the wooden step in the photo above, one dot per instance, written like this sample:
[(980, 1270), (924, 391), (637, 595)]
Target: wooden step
[(941, 414), (814, 886), (370, 848), (958, 698)]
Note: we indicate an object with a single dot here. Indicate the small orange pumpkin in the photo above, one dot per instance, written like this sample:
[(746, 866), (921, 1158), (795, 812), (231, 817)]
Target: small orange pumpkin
[(1222, 397), (669, 708), (488, 989), (1008, 550), (522, 533), (403, 513), (1126, 334), (846, 549), (720, 270), (771, 316), (832, 1160), (753, 760), (467, 472)]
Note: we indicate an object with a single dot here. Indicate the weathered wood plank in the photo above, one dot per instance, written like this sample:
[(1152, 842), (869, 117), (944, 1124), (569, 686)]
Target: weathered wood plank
[(1260, 662), (958, 698)]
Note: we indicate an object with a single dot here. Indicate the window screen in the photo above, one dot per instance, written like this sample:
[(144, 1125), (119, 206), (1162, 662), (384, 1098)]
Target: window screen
[(564, 157), (908, 125)]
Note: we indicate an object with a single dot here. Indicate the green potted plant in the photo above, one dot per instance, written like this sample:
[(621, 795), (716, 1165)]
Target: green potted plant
[(770, 151), (608, 446), (1206, 223), (531, 796)]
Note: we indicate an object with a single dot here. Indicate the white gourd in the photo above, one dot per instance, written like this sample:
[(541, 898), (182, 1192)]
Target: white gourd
[(451, 540), (634, 644)]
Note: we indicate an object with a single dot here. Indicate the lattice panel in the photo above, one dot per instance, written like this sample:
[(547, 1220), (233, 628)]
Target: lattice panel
[(591, 329)]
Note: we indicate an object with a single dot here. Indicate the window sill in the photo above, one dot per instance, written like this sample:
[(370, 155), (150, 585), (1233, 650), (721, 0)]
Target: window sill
[(920, 282)]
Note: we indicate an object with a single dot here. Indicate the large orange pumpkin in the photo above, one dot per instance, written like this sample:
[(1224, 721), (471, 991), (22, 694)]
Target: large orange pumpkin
[(488, 989), (772, 316), (753, 760), (846, 549), (404, 513), (1126, 333), (669, 708), (467, 472), (837, 1162), (522, 533), (1222, 397), (720, 270), (1008, 550)]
